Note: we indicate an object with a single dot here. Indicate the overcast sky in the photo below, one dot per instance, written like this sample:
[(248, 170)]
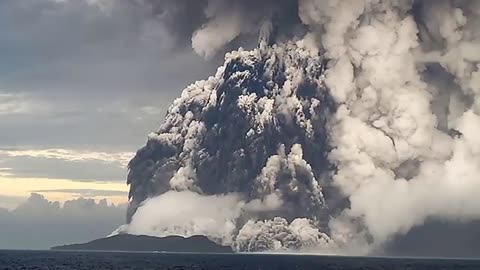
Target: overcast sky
[(82, 83)]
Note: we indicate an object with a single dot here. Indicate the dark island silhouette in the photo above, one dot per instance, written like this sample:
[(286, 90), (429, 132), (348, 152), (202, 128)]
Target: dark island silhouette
[(142, 243)]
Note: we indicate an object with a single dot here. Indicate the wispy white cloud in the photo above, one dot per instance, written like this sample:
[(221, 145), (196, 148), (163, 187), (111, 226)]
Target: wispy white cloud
[(57, 163), (121, 158), (19, 104), (5, 172), (103, 5), (60, 189), (86, 193), (150, 110)]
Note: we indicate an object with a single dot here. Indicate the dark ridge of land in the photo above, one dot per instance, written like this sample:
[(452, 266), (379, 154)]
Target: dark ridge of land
[(142, 243)]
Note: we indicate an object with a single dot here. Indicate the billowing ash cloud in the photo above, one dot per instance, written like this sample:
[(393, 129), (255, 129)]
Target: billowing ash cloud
[(256, 130), (340, 138)]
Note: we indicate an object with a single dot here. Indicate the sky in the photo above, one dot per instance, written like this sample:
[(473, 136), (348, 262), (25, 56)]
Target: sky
[(82, 83)]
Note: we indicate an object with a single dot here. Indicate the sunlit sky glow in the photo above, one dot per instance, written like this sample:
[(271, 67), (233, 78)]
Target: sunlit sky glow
[(60, 175)]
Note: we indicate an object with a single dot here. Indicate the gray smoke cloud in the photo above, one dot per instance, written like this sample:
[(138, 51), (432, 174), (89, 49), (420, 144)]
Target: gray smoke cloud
[(342, 137), (209, 26)]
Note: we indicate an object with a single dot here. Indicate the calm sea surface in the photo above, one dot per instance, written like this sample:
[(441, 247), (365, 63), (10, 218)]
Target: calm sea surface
[(85, 260)]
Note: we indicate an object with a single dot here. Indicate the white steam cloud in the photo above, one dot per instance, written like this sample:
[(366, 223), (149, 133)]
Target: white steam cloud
[(214, 216), (188, 213), (385, 119)]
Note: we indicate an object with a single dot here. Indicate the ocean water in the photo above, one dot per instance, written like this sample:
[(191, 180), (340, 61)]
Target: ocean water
[(107, 260)]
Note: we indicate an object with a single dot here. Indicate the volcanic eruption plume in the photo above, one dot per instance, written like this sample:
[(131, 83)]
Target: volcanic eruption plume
[(350, 123)]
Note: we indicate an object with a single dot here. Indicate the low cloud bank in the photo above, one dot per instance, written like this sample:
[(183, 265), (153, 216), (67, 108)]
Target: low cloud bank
[(39, 223)]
